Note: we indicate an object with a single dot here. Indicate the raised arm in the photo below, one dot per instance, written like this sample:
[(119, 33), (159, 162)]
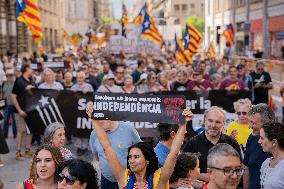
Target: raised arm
[(116, 168), (170, 162)]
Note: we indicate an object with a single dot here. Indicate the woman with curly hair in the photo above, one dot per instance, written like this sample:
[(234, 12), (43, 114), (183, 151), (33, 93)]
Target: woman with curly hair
[(186, 171), (142, 171), (77, 174), (44, 169)]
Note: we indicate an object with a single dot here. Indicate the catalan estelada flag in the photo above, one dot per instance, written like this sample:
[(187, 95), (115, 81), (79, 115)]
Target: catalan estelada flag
[(211, 53), (192, 39), (179, 52), (229, 34), (149, 30), (140, 17), (74, 39), (27, 11), (124, 20)]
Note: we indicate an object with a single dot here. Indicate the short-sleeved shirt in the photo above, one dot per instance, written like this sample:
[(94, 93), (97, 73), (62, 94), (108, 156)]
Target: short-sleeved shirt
[(121, 139), (202, 145), (194, 85), (272, 177), (254, 157), (230, 84), (85, 87), (55, 86), (260, 94), (243, 132), (162, 153), (7, 90), (19, 89)]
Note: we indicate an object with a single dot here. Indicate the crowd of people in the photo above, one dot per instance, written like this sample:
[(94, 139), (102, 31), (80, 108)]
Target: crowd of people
[(248, 154)]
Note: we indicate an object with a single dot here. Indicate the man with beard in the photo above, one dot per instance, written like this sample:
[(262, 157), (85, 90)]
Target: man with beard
[(214, 121), (259, 115)]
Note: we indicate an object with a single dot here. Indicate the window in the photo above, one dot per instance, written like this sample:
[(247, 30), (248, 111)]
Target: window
[(176, 7), (192, 6), (184, 7)]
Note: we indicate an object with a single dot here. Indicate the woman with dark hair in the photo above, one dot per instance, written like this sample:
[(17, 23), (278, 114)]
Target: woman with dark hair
[(44, 169), (142, 170), (75, 174), (186, 171), (272, 169)]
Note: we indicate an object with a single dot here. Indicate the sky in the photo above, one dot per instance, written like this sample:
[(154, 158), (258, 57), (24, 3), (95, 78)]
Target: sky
[(117, 6)]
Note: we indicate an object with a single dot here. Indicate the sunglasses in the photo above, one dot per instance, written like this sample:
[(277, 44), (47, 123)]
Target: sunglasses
[(70, 180), (242, 113)]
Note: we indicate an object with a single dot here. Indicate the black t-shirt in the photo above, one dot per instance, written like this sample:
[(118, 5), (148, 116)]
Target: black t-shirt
[(19, 89), (136, 76), (254, 157), (200, 144), (177, 86), (92, 80), (260, 94)]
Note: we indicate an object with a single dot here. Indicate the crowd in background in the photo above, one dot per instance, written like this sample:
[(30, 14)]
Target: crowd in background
[(253, 148)]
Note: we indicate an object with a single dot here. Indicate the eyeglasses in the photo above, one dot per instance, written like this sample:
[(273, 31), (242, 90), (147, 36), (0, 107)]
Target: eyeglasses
[(119, 72), (260, 69), (230, 171), (241, 113), (70, 180), (153, 77)]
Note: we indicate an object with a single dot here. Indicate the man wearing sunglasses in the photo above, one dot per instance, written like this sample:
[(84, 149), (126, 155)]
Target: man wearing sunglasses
[(262, 83), (224, 167)]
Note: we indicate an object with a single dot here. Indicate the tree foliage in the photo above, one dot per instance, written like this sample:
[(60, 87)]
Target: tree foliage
[(197, 22)]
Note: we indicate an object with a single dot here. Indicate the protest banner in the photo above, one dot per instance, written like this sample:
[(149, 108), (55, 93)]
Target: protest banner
[(68, 107), (132, 46), (137, 107)]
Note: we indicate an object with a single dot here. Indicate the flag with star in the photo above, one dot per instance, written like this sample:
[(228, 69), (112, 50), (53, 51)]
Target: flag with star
[(28, 12), (229, 34), (181, 58), (192, 39), (139, 18), (124, 19), (150, 31)]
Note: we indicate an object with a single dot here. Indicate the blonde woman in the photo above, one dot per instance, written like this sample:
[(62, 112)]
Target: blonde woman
[(240, 129)]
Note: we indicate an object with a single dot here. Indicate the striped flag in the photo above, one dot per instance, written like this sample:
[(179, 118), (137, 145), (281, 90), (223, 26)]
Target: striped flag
[(27, 11), (211, 53), (229, 34), (124, 20), (139, 18), (180, 55), (74, 39), (192, 39), (149, 30)]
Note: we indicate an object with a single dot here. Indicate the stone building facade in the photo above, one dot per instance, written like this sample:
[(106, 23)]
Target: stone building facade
[(14, 35)]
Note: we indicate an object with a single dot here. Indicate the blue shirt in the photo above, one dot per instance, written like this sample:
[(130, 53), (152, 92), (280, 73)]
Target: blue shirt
[(254, 157), (162, 153), (124, 136)]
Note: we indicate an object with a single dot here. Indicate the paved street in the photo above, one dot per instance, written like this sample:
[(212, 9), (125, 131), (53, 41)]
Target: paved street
[(14, 172)]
